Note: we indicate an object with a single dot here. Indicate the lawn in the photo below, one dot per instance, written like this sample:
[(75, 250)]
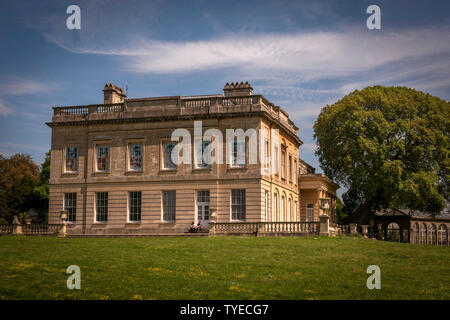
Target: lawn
[(220, 268)]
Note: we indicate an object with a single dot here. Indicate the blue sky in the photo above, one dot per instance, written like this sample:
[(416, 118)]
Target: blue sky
[(301, 55)]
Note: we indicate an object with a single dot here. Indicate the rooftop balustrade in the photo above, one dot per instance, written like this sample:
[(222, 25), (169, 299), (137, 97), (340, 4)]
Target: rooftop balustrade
[(170, 106)]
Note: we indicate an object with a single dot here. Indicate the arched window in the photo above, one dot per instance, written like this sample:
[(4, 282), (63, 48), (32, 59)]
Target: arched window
[(283, 209), (423, 233), (416, 233), (442, 235), (289, 210), (393, 232), (266, 206), (275, 207), (295, 211), (432, 235)]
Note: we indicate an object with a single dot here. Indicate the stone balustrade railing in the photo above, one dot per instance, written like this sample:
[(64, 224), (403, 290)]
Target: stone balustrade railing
[(221, 101), (83, 113), (291, 227), (41, 229), (236, 227), (32, 229), (343, 229), (6, 229), (269, 228), (77, 110)]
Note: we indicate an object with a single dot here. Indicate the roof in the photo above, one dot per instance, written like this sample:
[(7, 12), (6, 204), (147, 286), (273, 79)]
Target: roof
[(444, 214), (307, 164)]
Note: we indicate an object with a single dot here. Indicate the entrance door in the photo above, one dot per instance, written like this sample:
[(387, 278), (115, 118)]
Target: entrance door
[(203, 208)]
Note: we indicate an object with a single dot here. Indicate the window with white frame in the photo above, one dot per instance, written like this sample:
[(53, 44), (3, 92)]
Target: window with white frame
[(238, 153), (275, 158), (289, 210), (283, 164), (423, 234), (442, 235), (295, 211), (203, 202), (266, 205), (134, 206), (103, 158), (275, 207), (290, 167), (432, 235), (266, 154), (169, 205), (295, 171), (238, 204), (310, 212), (416, 233), (101, 208), (71, 159), (135, 156), (168, 147), (203, 155), (283, 209), (70, 205)]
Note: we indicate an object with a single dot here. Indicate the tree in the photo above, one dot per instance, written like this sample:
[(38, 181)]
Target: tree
[(19, 175), (341, 214), (389, 146), (41, 191)]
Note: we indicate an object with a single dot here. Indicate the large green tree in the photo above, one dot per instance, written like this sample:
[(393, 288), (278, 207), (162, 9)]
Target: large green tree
[(389, 146), (19, 175)]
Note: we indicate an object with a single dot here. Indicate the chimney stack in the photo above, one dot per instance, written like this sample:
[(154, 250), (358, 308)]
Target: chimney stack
[(238, 89), (113, 94)]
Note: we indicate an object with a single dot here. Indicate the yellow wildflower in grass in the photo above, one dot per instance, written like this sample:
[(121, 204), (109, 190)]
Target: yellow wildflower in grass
[(23, 266), (158, 269), (197, 273), (137, 297), (49, 269)]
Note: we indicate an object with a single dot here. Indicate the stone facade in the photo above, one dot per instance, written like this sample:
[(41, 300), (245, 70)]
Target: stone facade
[(86, 138)]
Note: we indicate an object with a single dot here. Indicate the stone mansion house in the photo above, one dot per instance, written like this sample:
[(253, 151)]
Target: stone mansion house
[(112, 172)]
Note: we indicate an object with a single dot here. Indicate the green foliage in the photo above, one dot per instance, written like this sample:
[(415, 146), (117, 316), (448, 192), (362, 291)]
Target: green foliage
[(19, 175), (3, 221), (45, 168), (342, 216), (389, 146), (41, 192), (22, 216), (23, 186)]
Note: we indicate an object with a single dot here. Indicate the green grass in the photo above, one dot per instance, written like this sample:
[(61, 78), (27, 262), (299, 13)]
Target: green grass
[(220, 268)]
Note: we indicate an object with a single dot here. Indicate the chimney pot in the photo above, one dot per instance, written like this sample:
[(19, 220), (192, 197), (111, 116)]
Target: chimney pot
[(238, 89), (113, 94)]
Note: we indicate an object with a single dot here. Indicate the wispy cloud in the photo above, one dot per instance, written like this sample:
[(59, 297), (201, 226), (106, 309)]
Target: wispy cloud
[(25, 86), (4, 109), (313, 55), (11, 88), (308, 147)]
